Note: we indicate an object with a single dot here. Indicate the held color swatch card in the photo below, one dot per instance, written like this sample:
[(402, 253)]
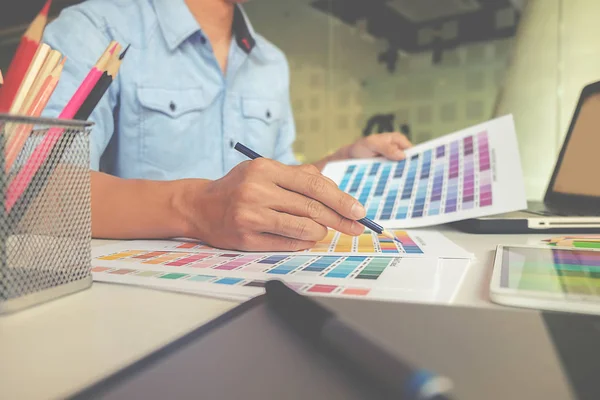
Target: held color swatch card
[(241, 276), (472, 173), (413, 244)]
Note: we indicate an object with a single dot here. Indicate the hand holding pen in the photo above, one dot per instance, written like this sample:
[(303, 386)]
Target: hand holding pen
[(251, 154), (264, 205)]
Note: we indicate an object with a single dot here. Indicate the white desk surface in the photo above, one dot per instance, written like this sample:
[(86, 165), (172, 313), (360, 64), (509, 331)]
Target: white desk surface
[(56, 349)]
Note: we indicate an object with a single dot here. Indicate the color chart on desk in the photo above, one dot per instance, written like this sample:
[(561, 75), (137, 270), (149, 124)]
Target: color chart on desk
[(471, 173), (412, 244), (241, 276)]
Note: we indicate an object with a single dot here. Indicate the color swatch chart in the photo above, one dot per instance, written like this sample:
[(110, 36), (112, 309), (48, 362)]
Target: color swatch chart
[(463, 175), (413, 244), (356, 267), (239, 275), (367, 243), (574, 272)]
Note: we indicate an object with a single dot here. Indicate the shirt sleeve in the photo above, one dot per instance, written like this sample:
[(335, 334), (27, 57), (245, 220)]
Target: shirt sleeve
[(78, 37), (284, 152)]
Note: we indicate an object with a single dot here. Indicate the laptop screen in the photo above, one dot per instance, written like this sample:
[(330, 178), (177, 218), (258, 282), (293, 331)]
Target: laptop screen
[(579, 172)]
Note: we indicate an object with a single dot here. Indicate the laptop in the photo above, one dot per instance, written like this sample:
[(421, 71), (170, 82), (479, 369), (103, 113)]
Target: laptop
[(572, 200)]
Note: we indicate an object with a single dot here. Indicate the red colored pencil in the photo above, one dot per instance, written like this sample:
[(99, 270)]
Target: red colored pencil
[(23, 57)]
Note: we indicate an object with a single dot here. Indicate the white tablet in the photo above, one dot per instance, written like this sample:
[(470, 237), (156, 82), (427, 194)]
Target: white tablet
[(547, 278)]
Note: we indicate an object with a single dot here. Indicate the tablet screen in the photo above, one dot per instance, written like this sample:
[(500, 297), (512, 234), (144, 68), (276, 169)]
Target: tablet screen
[(551, 271)]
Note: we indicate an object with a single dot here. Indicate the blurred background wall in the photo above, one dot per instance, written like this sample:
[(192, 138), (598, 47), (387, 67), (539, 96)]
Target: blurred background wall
[(429, 66)]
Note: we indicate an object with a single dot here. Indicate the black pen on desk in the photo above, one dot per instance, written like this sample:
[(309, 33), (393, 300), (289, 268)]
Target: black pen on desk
[(323, 328), (375, 227)]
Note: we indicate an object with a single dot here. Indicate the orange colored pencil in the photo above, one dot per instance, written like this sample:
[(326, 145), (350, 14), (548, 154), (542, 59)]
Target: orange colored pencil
[(30, 77), (49, 65), (18, 139), (23, 57)]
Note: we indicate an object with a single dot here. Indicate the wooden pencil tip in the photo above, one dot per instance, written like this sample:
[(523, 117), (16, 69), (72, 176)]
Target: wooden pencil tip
[(114, 48), (46, 8), (122, 56), (1, 78)]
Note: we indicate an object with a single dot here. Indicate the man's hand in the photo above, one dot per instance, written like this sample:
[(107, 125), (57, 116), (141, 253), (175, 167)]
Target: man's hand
[(388, 145), (263, 205)]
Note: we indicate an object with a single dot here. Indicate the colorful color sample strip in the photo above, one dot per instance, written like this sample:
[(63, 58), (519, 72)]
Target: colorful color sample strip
[(368, 243), (274, 265), (413, 244), (471, 173)]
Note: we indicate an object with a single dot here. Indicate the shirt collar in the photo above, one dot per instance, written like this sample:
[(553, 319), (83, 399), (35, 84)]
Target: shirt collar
[(178, 24)]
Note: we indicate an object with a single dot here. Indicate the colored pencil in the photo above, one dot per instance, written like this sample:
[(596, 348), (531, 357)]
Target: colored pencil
[(50, 64), (1, 78), (107, 78), (23, 57), (19, 184), (17, 141), (375, 227), (43, 173), (32, 73), (591, 244), (581, 238)]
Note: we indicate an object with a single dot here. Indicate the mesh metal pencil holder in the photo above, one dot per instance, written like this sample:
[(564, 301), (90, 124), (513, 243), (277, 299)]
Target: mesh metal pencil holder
[(45, 221)]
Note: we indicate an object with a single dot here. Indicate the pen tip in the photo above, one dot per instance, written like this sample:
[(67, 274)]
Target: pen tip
[(122, 56)]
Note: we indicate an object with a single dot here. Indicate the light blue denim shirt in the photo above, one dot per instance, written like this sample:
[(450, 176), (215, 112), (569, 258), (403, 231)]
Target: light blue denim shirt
[(171, 113)]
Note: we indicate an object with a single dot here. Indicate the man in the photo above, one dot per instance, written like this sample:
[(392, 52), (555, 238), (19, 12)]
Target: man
[(196, 80)]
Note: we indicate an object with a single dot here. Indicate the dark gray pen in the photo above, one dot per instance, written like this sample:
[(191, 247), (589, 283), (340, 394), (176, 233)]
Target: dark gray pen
[(324, 328)]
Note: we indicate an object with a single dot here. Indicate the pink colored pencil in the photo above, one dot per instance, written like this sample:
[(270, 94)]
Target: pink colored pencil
[(20, 183)]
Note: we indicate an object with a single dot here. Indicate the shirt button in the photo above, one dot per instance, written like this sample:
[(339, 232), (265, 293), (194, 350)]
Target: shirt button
[(231, 144), (202, 40), (268, 114), (172, 106)]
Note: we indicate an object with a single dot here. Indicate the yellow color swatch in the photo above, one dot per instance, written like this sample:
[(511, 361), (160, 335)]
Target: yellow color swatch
[(344, 244), (365, 243), (121, 255), (323, 245)]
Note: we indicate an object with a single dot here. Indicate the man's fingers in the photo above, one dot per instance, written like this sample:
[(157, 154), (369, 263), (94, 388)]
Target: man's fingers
[(311, 169), (296, 204), (389, 145), (321, 189), (270, 242), (400, 140), (293, 226)]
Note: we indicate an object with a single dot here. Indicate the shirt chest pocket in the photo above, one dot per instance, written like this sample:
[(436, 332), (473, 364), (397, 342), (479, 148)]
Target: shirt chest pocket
[(175, 126), (262, 120)]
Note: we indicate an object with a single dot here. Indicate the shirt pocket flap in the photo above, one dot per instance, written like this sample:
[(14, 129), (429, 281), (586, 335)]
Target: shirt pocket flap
[(174, 103), (267, 111)]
